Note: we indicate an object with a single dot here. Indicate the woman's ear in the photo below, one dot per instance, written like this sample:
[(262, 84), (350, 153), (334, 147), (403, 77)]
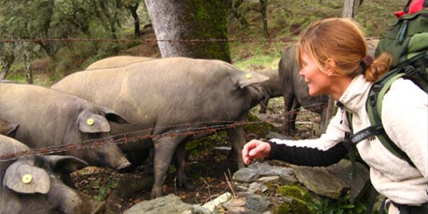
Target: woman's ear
[(330, 67)]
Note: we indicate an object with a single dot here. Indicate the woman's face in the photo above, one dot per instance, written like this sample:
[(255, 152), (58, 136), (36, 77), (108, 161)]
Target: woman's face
[(318, 82)]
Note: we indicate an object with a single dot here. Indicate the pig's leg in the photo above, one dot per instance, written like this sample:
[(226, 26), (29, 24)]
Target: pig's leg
[(237, 137), (180, 164), (292, 117), (264, 104), (164, 151), (289, 98)]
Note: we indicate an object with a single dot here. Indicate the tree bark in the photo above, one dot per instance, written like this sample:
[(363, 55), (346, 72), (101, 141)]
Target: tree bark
[(350, 8), (27, 68), (6, 63), (263, 10), (133, 10), (176, 22)]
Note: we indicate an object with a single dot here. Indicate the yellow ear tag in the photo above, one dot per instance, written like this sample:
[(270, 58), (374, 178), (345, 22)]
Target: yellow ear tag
[(90, 122), (27, 178), (248, 76)]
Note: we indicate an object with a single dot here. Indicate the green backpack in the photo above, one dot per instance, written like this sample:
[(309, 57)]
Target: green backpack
[(407, 42)]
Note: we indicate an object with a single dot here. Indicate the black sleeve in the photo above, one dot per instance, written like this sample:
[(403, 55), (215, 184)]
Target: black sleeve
[(307, 156)]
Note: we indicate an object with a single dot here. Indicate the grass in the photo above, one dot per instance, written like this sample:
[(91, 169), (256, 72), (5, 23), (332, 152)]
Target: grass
[(287, 18)]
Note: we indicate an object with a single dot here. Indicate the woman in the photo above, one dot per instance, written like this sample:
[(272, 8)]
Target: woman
[(332, 55)]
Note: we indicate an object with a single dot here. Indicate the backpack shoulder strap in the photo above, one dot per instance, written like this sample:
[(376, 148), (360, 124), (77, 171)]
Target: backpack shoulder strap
[(374, 110)]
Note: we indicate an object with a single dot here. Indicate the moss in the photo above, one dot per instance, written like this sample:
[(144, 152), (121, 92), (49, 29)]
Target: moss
[(290, 191), (259, 128), (295, 191), (208, 20), (199, 144), (296, 206), (299, 204)]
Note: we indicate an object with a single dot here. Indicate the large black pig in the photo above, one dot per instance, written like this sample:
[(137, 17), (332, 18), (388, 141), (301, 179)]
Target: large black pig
[(295, 92), (169, 98), (49, 118), (29, 184)]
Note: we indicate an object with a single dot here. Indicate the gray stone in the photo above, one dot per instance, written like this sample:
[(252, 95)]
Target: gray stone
[(248, 203), (246, 175), (256, 187), (170, 204), (257, 179), (255, 170), (268, 179), (334, 180)]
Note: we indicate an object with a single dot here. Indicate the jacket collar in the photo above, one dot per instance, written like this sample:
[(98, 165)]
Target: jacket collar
[(355, 96)]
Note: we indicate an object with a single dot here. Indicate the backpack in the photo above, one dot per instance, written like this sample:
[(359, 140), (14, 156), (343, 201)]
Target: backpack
[(407, 41)]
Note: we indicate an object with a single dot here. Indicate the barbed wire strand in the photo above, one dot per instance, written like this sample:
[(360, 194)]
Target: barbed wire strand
[(174, 130), (144, 40)]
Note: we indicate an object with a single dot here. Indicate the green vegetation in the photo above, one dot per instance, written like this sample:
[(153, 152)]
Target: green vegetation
[(286, 20), (341, 206), (304, 202), (103, 190), (249, 48), (300, 199)]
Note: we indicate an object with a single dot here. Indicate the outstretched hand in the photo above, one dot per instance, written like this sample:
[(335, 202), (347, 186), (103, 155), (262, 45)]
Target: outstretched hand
[(255, 149)]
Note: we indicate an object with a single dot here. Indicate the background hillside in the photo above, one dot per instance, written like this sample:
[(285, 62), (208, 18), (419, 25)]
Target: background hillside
[(250, 50), (287, 18)]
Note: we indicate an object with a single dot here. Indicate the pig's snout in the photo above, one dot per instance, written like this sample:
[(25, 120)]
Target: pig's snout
[(124, 165)]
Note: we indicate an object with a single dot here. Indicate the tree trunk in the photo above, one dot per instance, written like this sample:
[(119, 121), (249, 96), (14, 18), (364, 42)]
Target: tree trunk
[(350, 8), (263, 10), (6, 63), (176, 22), (133, 10), (27, 69)]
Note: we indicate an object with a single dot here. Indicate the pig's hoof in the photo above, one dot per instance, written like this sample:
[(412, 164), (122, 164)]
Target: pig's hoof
[(189, 186)]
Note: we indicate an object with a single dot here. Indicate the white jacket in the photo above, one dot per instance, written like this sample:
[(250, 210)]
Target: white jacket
[(405, 120)]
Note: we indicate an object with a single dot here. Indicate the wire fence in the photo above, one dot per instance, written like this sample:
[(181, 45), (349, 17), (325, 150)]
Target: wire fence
[(189, 129), (145, 40)]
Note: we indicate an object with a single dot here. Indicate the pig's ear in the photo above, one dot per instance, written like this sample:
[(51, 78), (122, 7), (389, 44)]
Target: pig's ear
[(65, 164), (113, 116), (12, 131), (24, 178), (93, 123), (243, 79)]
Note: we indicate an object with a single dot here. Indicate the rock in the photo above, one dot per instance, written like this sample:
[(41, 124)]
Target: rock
[(255, 170), (216, 202), (260, 188), (246, 175), (170, 204), (248, 203), (256, 187), (334, 180)]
